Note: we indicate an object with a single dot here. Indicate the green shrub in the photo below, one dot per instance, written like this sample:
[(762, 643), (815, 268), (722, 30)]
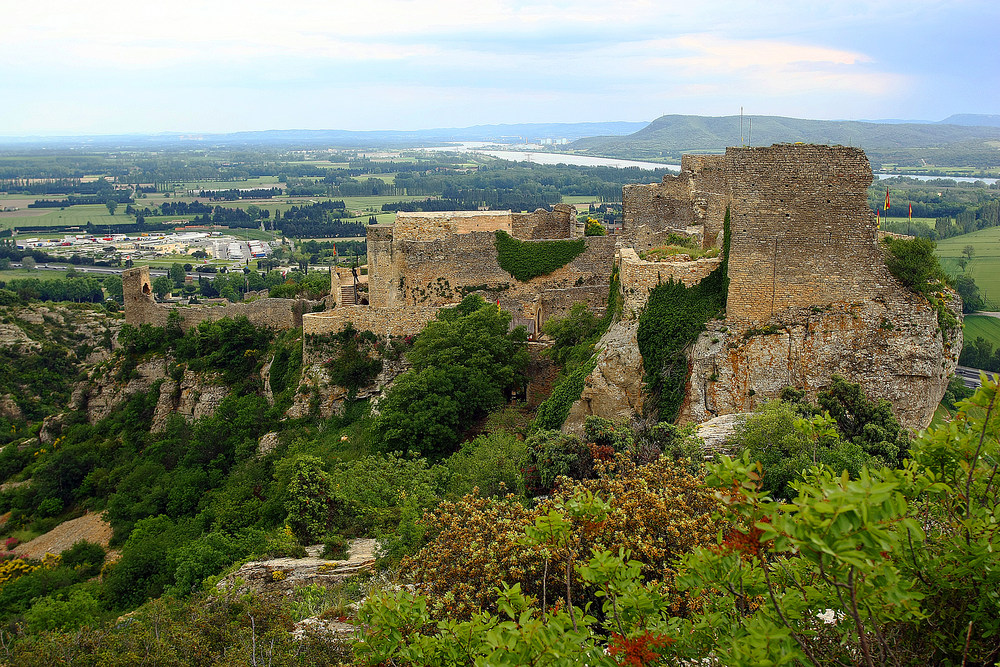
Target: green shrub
[(334, 547), (63, 612), (374, 490), (84, 557), (529, 259), (309, 500), (553, 454), (491, 463)]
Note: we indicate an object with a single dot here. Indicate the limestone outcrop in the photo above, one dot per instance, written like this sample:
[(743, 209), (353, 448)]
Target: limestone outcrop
[(196, 395), (614, 388), (893, 348), (282, 575)]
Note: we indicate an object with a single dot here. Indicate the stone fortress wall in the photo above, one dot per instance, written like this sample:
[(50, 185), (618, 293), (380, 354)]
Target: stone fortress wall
[(809, 291), (429, 260), (142, 308), (802, 231), (638, 277)]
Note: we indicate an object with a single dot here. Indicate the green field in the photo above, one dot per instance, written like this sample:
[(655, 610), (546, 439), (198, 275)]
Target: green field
[(41, 274), (71, 215), (985, 265), (983, 326), (256, 182)]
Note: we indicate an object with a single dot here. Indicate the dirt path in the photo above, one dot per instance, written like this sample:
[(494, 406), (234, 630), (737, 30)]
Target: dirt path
[(90, 527)]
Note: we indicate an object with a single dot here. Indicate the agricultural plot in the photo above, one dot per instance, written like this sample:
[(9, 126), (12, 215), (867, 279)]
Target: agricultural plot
[(985, 265), (76, 216), (983, 326), (256, 182)]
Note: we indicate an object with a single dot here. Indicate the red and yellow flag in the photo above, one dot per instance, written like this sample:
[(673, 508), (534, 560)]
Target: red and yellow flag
[(878, 219), (911, 211), (887, 199)]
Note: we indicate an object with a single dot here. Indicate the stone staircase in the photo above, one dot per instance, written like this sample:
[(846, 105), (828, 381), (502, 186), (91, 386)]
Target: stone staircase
[(347, 295)]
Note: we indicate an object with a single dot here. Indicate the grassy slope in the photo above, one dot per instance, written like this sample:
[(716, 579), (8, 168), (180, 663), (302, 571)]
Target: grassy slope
[(985, 265)]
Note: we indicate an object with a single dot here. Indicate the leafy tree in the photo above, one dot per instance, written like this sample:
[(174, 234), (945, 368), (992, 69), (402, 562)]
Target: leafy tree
[(28, 263), (578, 325), (464, 365), (177, 274), (112, 205), (869, 424), (972, 300), (786, 444), (162, 286), (309, 500), (113, 286)]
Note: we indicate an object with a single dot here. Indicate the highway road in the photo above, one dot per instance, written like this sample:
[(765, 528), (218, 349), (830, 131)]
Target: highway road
[(971, 376)]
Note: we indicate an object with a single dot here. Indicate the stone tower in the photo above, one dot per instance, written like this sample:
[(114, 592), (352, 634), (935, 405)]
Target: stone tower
[(139, 301)]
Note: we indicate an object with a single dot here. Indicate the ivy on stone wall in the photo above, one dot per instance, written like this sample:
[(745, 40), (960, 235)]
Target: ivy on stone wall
[(529, 259), (555, 409), (671, 321)]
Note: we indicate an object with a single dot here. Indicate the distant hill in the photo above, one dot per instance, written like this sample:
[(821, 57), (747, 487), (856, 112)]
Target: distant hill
[(980, 119), (513, 133), (915, 144)]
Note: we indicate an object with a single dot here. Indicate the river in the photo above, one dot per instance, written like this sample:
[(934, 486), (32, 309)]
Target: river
[(590, 161), (552, 158), (922, 177)]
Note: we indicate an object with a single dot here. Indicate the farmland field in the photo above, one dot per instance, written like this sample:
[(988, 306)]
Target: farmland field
[(256, 182), (71, 216), (983, 326), (985, 265)]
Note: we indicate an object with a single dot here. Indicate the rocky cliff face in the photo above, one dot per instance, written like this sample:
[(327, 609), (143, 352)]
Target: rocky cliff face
[(893, 348), (195, 395), (614, 388), (317, 395)]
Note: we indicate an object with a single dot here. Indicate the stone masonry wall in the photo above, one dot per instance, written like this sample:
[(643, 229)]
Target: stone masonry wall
[(381, 321), (557, 302), (560, 223), (709, 193), (383, 276), (441, 271), (421, 226), (638, 277), (802, 232), (658, 206), (141, 308)]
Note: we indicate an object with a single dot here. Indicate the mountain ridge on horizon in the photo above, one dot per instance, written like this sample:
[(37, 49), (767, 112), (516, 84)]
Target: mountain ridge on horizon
[(589, 132), (955, 144)]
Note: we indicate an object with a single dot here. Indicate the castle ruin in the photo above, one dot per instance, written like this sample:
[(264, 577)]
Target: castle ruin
[(809, 293)]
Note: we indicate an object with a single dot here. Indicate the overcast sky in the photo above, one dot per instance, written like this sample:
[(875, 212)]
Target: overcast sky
[(72, 67)]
